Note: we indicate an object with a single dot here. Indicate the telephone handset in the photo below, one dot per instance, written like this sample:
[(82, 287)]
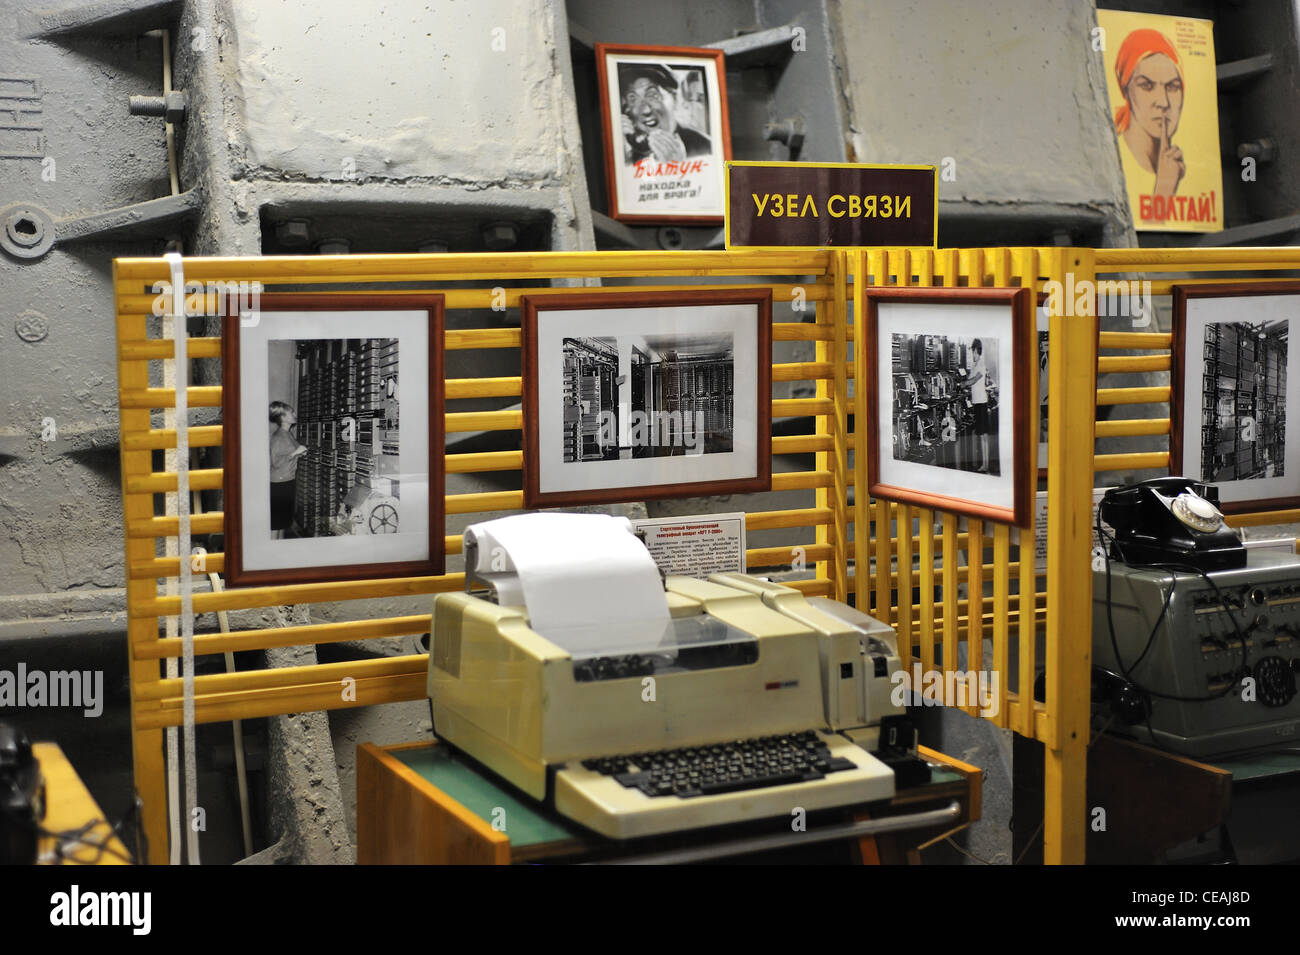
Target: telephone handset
[(1172, 520)]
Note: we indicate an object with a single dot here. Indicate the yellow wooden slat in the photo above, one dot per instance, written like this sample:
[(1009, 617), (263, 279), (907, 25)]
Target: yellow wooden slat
[(903, 581), (248, 598), (1264, 518), (495, 297), (160, 482), (1152, 341), (1126, 427), (975, 598), (461, 421), (1127, 364), (156, 349), (800, 444), (1002, 571), (471, 266), (199, 396), (774, 520), (276, 701), (1199, 259), (482, 388), (1132, 461), (265, 638), (155, 439), (949, 571), (787, 556), (925, 564), (1154, 394)]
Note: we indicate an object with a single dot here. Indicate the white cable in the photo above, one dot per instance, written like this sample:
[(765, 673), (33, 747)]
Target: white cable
[(181, 361)]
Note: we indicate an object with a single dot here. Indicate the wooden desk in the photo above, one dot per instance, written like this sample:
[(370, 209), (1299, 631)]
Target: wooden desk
[(69, 807), (423, 804)]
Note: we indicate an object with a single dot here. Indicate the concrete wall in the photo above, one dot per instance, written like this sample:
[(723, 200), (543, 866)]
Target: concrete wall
[(1009, 91)]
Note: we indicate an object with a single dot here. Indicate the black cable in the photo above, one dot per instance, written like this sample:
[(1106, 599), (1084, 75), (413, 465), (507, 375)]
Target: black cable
[(76, 837), (1174, 569)]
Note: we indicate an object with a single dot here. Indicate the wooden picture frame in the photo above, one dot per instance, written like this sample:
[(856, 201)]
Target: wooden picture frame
[(939, 326), (1202, 312), (657, 175), (358, 368), (594, 444)]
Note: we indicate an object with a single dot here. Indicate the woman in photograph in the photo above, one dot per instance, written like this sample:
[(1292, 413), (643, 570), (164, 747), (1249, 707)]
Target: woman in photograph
[(977, 381), (285, 452)]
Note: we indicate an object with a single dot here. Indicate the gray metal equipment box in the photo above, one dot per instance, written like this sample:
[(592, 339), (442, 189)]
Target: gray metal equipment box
[(1196, 653)]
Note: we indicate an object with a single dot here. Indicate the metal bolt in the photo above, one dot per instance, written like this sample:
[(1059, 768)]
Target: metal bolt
[(171, 106), (333, 246), (293, 233), (788, 131), (671, 238), (1264, 150), (26, 230), (499, 236)]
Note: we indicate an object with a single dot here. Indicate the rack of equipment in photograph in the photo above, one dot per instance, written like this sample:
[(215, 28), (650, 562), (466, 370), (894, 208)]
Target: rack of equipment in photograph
[(343, 418), (1245, 378), (964, 580)]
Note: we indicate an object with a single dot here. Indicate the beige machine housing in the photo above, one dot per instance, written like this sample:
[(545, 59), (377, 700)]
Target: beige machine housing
[(509, 696)]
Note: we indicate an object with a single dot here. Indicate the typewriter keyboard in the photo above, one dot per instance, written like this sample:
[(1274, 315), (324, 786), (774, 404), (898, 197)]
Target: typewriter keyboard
[(724, 767)]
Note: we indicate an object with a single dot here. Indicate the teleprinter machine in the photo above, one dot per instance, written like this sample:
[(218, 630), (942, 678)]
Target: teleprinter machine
[(747, 701)]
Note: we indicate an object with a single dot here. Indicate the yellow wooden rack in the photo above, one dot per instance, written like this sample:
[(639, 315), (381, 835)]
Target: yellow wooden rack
[(992, 601)]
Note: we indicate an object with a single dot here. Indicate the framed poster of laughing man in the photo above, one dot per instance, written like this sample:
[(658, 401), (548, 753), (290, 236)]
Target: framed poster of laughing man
[(664, 114)]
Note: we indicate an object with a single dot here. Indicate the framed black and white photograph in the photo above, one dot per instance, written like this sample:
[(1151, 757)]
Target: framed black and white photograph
[(948, 422), (1236, 385), (632, 396), (333, 438), (667, 136)]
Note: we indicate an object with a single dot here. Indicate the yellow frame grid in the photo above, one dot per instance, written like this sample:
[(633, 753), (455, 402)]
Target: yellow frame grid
[(857, 546)]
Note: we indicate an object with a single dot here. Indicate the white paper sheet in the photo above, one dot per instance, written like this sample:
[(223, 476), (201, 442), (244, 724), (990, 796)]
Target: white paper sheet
[(588, 584)]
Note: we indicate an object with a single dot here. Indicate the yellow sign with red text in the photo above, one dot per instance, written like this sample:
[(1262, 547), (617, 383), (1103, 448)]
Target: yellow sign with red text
[(1160, 74)]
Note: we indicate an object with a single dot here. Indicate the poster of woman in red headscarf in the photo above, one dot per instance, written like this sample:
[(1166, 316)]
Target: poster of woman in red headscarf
[(1161, 80)]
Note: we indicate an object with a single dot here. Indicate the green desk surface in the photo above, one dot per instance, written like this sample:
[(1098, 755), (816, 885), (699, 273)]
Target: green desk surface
[(1260, 766), (527, 823)]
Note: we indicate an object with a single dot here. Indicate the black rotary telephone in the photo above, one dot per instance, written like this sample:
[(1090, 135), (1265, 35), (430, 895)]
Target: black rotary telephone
[(1171, 520)]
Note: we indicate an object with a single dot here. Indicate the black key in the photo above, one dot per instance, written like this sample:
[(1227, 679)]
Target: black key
[(732, 785), (840, 763), (633, 780)]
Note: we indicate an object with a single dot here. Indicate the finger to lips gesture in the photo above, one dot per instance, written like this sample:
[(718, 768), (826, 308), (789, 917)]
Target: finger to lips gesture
[(1170, 167)]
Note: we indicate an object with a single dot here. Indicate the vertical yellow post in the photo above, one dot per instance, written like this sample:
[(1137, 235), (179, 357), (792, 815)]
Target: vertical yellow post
[(840, 426), (146, 744), (878, 263), (861, 502), (1072, 384), (1026, 265), (822, 425)]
